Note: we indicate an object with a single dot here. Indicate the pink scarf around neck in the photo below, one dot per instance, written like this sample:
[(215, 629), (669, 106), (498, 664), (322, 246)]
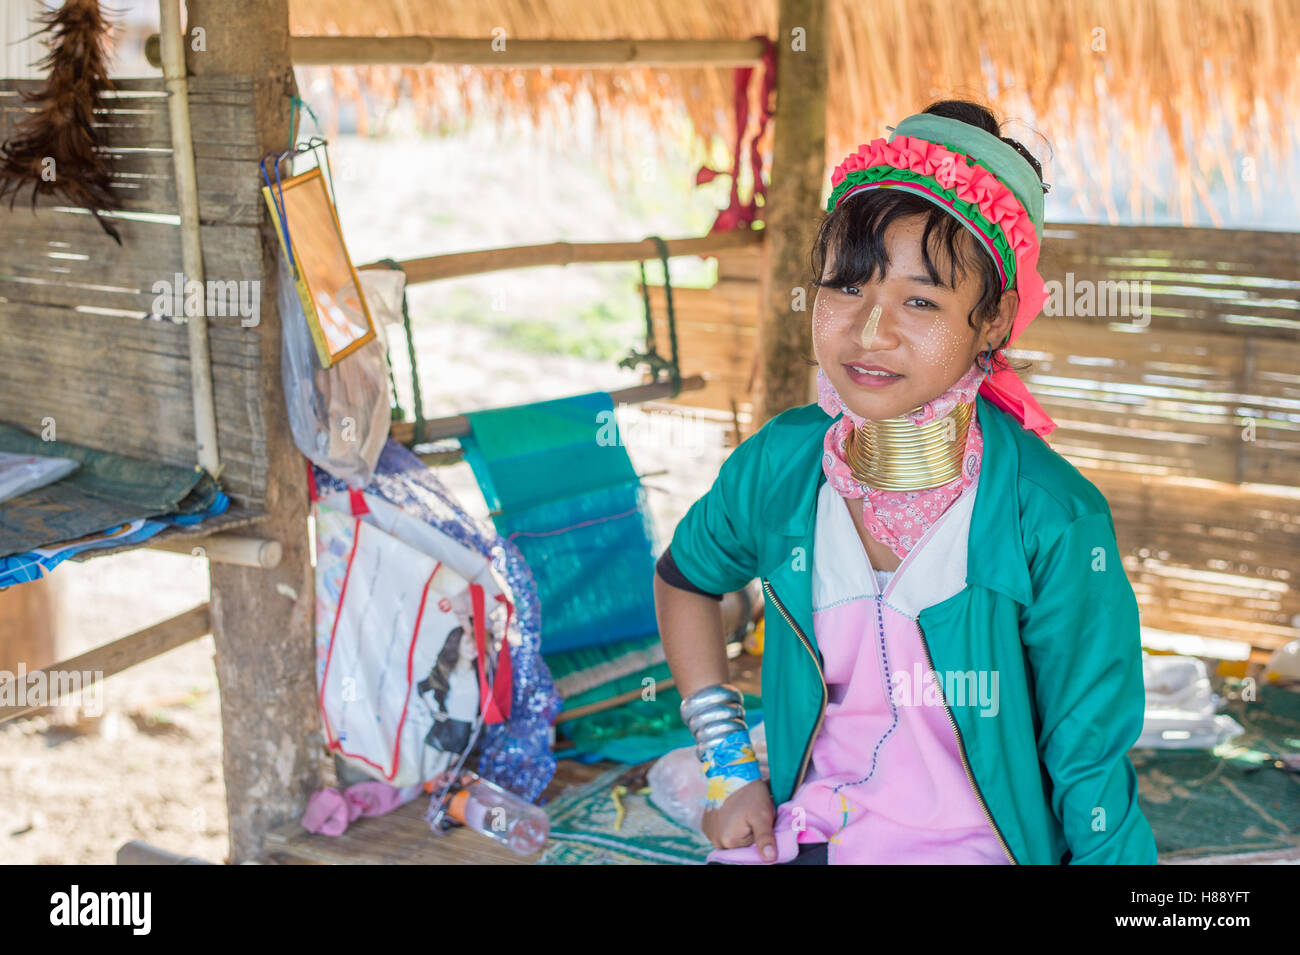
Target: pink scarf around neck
[(898, 519)]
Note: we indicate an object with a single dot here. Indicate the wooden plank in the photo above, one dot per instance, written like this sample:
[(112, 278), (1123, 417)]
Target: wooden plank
[(122, 384), (126, 652)]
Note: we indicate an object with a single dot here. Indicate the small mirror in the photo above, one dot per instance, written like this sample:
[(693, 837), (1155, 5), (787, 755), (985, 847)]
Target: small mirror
[(327, 282)]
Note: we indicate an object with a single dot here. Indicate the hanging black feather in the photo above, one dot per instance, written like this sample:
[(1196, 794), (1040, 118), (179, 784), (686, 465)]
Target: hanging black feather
[(62, 127)]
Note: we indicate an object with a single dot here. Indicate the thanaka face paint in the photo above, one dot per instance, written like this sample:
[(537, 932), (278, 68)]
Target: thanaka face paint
[(869, 329)]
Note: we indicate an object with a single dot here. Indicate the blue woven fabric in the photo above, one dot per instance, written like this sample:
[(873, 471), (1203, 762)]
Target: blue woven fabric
[(566, 494)]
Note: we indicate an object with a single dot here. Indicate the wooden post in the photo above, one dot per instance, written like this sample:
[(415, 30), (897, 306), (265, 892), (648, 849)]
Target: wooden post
[(262, 619), (793, 207)]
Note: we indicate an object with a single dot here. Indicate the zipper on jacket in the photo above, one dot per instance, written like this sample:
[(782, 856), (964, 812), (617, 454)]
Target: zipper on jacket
[(807, 752), (961, 748)]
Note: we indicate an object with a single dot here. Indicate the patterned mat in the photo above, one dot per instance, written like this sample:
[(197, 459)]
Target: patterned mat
[(583, 833)]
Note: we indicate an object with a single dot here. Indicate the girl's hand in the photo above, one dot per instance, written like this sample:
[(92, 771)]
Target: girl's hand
[(745, 819)]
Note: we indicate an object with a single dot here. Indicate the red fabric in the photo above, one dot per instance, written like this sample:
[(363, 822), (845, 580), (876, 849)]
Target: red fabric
[(358, 499), (737, 214), (495, 703)]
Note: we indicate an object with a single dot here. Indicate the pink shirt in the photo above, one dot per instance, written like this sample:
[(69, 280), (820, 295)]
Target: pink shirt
[(908, 799)]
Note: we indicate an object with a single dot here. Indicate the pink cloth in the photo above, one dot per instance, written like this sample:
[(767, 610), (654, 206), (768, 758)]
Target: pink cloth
[(898, 519), (903, 795), (329, 811)]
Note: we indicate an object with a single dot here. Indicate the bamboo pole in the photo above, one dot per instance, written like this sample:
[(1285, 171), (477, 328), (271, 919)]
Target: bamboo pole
[(507, 52), (600, 705), (457, 426), (228, 548), (187, 197), (488, 51), (452, 265)]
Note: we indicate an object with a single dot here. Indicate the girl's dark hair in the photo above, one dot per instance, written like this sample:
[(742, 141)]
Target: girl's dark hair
[(856, 229)]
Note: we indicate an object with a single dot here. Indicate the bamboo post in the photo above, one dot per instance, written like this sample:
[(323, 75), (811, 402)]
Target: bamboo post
[(187, 200), (793, 207)]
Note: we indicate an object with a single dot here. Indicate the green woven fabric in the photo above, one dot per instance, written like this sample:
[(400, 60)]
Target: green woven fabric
[(106, 489)]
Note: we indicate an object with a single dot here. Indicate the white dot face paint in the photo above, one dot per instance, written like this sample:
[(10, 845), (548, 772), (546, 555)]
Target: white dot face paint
[(823, 322), (941, 345)]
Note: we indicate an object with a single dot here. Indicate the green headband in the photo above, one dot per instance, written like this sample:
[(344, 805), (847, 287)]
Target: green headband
[(990, 151)]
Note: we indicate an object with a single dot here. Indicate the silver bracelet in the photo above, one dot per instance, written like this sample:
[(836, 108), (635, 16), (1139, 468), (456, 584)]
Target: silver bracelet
[(709, 696), (712, 714)]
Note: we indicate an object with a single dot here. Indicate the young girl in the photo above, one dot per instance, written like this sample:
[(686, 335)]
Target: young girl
[(952, 669)]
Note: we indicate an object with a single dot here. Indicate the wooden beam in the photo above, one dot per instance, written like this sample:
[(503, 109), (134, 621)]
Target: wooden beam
[(508, 52), (793, 206), (228, 548), (126, 652), (450, 265), (136, 852), (262, 619), (457, 426)]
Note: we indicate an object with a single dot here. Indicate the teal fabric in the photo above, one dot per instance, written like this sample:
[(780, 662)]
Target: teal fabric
[(571, 501), (107, 489), (636, 749), (1039, 607)]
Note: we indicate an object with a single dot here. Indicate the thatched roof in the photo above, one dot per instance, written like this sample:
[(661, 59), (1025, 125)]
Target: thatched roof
[(1103, 80)]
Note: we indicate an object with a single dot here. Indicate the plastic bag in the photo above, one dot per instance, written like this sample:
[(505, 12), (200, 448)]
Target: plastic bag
[(407, 619), (676, 780), (340, 415), (20, 473), (1181, 709)]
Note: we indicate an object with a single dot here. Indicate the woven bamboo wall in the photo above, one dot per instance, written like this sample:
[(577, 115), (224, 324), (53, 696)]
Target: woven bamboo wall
[(79, 345), (1155, 412)]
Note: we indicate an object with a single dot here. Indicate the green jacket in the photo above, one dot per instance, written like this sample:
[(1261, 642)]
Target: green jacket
[(1046, 605)]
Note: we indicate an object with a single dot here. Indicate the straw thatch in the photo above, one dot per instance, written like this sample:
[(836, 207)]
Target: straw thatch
[(1103, 81)]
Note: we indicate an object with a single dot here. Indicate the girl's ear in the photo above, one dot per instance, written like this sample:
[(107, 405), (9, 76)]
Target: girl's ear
[(1000, 327)]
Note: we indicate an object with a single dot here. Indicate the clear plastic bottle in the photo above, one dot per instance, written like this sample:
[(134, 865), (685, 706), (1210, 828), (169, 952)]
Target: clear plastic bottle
[(499, 814)]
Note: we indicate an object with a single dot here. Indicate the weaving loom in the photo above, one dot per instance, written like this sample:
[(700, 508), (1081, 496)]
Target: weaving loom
[(576, 509), (558, 482)]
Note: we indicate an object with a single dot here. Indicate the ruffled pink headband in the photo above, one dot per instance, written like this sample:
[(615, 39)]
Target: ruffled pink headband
[(994, 192)]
